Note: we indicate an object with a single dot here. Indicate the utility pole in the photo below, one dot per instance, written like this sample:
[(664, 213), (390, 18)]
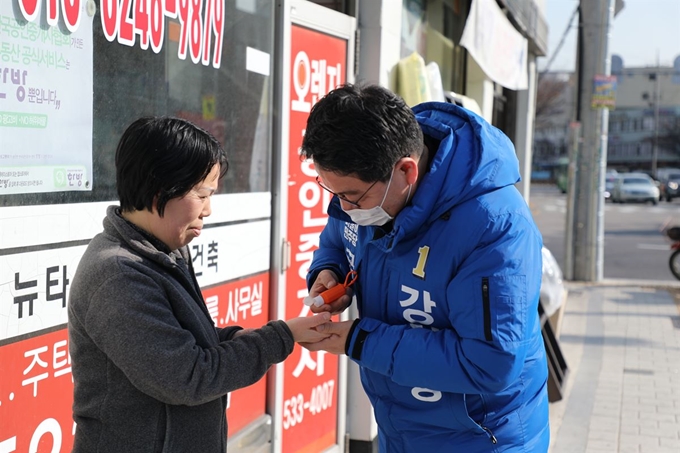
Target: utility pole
[(657, 101), (585, 255)]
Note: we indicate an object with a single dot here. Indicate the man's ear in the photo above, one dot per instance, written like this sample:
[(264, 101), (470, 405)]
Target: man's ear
[(409, 167)]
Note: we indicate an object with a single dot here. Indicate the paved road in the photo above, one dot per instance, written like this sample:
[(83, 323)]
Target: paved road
[(634, 246)]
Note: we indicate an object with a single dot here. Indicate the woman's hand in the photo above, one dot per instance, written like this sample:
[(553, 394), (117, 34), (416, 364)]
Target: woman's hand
[(304, 328)]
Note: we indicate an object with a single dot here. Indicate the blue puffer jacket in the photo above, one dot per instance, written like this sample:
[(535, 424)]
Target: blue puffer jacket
[(448, 340)]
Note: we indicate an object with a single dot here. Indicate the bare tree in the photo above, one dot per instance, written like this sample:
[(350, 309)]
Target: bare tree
[(550, 97)]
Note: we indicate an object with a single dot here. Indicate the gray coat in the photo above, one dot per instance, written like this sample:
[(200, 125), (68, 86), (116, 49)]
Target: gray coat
[(150, 369)]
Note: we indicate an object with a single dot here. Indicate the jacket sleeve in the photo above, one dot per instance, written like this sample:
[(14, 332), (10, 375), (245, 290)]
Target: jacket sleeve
[(493, 314), (131, 321), (226, 333), (330, 254)]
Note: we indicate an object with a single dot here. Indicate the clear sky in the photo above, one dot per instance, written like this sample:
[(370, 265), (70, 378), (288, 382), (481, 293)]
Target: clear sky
[(640, 31)]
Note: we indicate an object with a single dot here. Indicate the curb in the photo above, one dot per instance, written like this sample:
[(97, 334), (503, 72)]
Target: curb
[(610, 282)]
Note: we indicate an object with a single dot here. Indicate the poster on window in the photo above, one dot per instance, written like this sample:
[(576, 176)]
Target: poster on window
[(310, 395), (46, 69)]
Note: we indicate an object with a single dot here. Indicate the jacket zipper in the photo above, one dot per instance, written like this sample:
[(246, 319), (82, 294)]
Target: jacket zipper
[(487, 308), (490, 434)]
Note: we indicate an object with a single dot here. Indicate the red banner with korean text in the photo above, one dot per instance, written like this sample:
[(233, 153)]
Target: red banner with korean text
[(36, 392), (242, 303), (310, 378), (36, 387)]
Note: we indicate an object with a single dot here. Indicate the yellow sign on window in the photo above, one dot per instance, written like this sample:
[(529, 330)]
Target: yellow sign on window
[(209, 107)]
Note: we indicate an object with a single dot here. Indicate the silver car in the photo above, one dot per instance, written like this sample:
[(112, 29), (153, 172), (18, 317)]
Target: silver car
[(635, 187)]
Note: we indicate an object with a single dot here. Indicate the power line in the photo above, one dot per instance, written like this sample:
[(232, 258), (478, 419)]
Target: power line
[(559, 45)]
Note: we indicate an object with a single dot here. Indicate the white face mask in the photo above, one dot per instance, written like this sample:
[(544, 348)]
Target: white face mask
[(367, 217), (376, 216)]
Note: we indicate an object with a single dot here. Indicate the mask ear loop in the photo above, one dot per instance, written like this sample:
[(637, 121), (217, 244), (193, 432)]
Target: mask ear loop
[(410, 186), (388, 188)]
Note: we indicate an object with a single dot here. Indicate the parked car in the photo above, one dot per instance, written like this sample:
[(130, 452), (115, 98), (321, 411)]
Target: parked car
[(670, 187), (656, 177), (635, 187), (662, 173)]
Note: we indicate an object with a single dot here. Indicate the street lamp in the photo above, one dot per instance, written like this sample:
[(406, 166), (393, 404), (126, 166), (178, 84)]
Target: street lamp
[(654, 76)]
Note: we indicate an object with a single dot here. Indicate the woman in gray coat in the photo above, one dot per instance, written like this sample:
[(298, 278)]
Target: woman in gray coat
[(151, 371)]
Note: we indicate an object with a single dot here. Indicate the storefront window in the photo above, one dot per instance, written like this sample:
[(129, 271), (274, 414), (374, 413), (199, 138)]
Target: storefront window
[(433, 29), (504, 108), (341, 6), (232, 101)]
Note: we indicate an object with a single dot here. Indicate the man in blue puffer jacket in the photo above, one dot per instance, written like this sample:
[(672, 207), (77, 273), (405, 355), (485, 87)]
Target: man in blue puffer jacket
[(449, 270)]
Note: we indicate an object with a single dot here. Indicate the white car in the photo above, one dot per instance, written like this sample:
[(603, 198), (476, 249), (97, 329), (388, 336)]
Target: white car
[(635, 187)]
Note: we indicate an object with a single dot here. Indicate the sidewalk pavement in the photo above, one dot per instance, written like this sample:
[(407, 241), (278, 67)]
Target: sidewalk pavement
[(621, 341)]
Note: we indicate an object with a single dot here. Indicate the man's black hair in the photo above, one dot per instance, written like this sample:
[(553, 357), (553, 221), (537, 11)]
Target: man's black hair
[(361, 130), (163, 157)]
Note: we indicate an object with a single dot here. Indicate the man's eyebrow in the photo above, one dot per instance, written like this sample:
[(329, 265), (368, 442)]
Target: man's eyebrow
[(351, 191), (344, 193)]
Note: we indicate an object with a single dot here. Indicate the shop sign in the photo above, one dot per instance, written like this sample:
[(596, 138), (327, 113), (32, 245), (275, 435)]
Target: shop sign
[(37, 393), (200, 22), (34, 286), (310, 395), (312, 78)]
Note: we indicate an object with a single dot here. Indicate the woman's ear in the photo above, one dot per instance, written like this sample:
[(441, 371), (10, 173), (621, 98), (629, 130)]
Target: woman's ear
[(154, 205)]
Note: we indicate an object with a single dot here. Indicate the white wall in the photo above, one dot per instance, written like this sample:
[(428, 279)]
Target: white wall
[(524, 133), (380, 41), (480, 88)]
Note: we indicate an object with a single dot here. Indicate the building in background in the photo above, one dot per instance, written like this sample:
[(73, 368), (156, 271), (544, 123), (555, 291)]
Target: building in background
[(643, 127)]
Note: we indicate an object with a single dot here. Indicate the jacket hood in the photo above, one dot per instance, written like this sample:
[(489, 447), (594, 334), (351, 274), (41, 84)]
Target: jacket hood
[(473, 158)]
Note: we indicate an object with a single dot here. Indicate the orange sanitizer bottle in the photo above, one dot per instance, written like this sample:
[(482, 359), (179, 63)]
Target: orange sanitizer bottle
[(333, 293)]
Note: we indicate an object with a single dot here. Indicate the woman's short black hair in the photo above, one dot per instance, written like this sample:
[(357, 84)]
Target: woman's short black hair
[(163, 158), (361, 130)]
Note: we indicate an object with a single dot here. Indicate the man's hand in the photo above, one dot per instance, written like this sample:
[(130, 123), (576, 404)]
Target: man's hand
[(304, 328), (325, 280), (335, 342)]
